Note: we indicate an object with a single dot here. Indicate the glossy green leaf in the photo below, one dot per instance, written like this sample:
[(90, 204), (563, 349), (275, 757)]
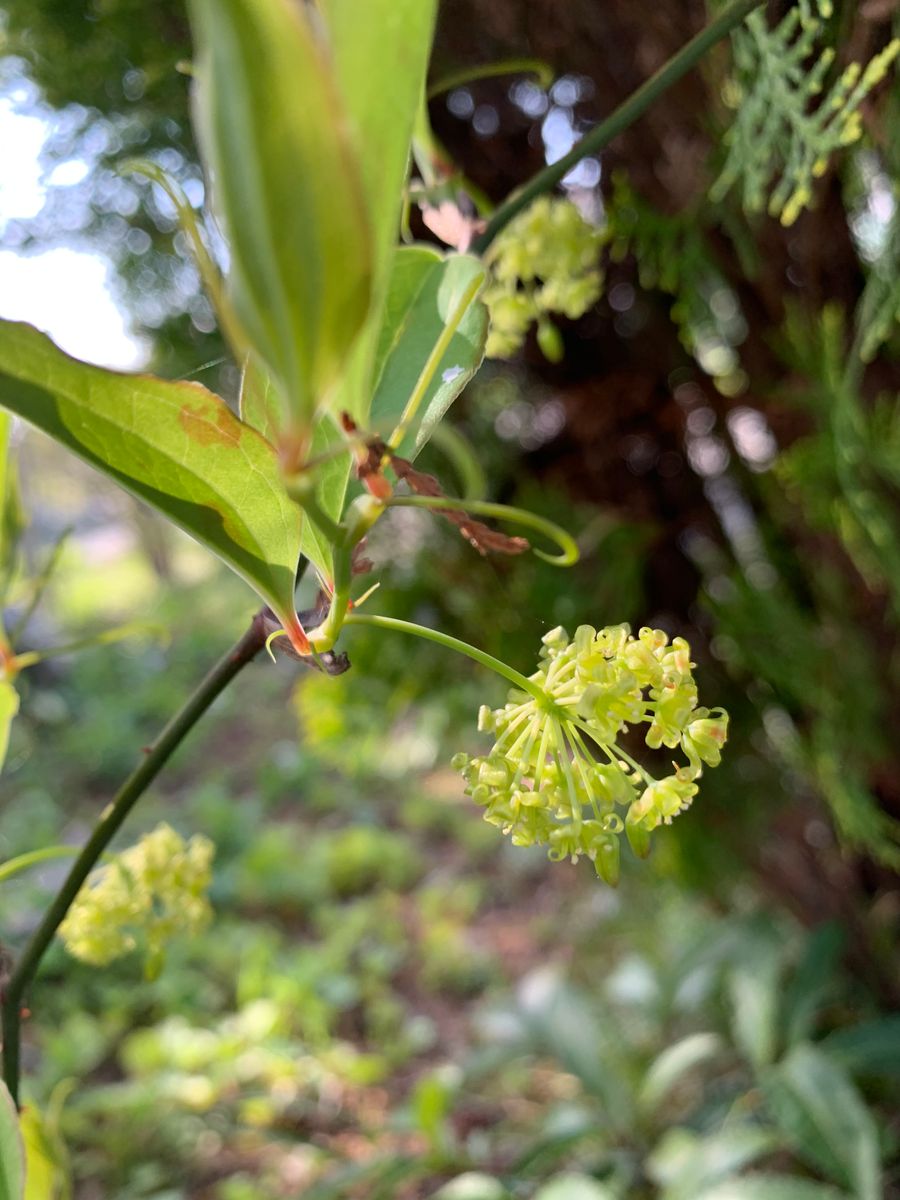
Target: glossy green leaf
[(12, 1155), (5, 428), (771, 1187), (674, 1063), (430, 1105), (175, 445), (582, 1038), (11, 517), (381, 51), (432, 339), (259, 402), (286, 182), (44, 1174), (685, 1163), (823, 1117), (332, 477), (9, 706), (811, 982), (871, 1048), (754, 987)]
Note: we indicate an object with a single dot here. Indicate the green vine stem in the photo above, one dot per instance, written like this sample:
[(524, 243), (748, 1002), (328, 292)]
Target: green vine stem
[(451, 643), (301, 487), (28, 658), (360, 517), (619, 120), (39, 586), (190, 227), (367, 509), (503, 512), (506, 66), (33, 858), (459, 452), (433, 362), (243, 652)]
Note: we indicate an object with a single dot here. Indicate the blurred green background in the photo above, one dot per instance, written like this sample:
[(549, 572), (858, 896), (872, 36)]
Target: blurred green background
[(391, 1001)]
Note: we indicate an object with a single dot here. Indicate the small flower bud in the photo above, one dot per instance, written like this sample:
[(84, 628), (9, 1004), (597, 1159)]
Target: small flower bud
[(550, 341), (703, 739), (638, 839), (555, 638), (583, 639), (605, 853), (485, 720), (495, 772)]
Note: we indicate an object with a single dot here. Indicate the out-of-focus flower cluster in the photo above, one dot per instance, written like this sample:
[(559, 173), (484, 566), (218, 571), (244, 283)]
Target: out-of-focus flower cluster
[(145, 895), (545, 261), (556, 775)]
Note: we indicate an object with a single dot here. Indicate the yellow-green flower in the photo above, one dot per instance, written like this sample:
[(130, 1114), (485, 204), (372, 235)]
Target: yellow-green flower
[(556, 774), (145, 895), (546, 261)]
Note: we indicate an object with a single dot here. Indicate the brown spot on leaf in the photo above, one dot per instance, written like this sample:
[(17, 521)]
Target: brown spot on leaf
[(210, 424)]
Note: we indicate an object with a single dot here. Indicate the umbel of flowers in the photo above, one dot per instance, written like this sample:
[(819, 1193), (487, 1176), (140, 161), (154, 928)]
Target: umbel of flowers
[(144, 895), (556, 775), (547, 261)]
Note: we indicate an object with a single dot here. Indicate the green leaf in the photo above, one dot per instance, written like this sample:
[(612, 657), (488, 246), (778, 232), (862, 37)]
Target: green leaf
[(432, 340), (5, 427), (175, 445), (44, 1175), (810, 983), (381, 51), (286, 183), (673, 1063), (771, 1187), (379, 1178), (753, 986), (331, 488), (430, 305), (12, 1155), (684, 1163), (574, 1187), (11, 517), (582, 1037), (823, 1117), (870, 1048), (9, 706), (430, 1104), (259, 404)]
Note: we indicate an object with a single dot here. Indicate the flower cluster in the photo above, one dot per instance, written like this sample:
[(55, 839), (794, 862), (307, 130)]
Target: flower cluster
[(556, 775), (546, 261), (150, 892)]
